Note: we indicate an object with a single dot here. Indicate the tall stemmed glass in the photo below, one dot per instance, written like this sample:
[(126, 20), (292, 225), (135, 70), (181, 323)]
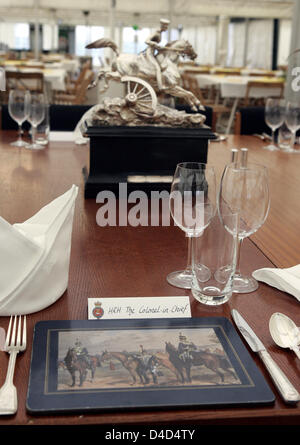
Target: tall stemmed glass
[(192, 206), (18, 108), (292, 120), (274, 117), (35, 117), (244, 190)]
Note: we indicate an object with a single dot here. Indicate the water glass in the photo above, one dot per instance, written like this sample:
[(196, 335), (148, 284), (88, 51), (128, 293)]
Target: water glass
[(244, 190), (216, 251), (274, 117), (285, 139), (192, 205), (292, 120), (43, 129), (18, 108), (35, 117)]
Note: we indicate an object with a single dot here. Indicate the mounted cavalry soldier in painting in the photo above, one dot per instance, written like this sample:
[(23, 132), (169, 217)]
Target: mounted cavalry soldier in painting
[(81, 352), (185, 347)]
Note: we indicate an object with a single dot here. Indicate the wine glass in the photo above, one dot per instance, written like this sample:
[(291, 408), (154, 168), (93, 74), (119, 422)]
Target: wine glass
[(292, 120), (244, 190), (35, 117), (18, 108), (274, 117), (192, 206)]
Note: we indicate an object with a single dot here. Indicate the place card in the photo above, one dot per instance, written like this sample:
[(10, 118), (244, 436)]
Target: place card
[(134, 307)]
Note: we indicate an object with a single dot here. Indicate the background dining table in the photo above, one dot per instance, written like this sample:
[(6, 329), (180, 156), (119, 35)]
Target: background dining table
[(134, 261)]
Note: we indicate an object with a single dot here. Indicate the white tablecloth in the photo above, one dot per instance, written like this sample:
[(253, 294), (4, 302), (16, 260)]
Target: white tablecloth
[(54, 76), (235, 86), (71, 66)]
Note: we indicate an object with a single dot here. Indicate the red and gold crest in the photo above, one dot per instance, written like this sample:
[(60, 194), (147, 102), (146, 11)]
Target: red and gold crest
[(98, 310)]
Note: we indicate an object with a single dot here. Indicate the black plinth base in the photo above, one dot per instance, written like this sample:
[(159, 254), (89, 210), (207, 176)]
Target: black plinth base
[(138, 156)]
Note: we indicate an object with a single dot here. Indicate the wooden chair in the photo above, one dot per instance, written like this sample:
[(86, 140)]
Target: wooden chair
[(190, 83), (33, 82), (78, 96), (260, 84), (72, 85)]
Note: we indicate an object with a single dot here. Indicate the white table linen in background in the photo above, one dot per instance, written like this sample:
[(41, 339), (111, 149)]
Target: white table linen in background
[(235, 86), (54, 76)]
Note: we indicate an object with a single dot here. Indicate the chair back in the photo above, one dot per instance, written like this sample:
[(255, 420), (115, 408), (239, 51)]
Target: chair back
[(31, 81), (84, 69), (190, 83), (79, 95), (82, 87)]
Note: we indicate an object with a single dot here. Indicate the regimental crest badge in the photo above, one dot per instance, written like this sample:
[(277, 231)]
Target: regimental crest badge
[(98, 310)]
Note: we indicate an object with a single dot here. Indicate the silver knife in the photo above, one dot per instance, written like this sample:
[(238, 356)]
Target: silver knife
[(284, 386)]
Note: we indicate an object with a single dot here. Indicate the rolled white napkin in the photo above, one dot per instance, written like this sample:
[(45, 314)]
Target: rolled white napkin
[(286, 280), (35, 256), (2, 79)]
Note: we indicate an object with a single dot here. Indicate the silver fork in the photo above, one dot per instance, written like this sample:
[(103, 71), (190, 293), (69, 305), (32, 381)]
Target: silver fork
[(14, 343)]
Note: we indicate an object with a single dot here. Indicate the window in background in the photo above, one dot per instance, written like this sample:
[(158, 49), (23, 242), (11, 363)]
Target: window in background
[(260, 42), (236, 44), (134, 40), (204, 40), (22, 32), (85, 35), (50, 37), (285, 30), (15, 36)]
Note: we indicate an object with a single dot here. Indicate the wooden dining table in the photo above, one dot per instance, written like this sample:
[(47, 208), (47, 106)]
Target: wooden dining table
[(134, 262)]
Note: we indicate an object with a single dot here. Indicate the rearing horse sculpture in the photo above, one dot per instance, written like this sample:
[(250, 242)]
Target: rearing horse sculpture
[(126, 67)]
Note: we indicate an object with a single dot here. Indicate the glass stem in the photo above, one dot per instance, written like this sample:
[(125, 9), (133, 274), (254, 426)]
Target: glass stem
[(238, 257), (20, 133), (190, 256), (33, 134), (273, 136), (293, 140)]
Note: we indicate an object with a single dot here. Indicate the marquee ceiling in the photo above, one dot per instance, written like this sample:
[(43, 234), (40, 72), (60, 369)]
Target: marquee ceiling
[(139, 11)]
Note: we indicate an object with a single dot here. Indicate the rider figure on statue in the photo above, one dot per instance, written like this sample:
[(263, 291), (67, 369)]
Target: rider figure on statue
[(153, 45)]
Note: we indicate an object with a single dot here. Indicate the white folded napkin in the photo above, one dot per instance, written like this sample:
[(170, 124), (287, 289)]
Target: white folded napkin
[(2, 79), (67, 136), (35, 256), (287, 280)]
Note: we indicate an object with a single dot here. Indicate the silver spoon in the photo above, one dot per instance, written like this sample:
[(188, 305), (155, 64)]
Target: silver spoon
[(284, 332)]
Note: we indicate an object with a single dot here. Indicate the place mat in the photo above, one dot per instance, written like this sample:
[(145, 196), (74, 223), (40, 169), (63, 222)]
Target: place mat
[(129, 364)]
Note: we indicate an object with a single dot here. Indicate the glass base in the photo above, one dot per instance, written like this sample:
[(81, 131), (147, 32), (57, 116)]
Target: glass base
[(35, 147), (42, 141), (181, 278), (211, 296), (244, 285), (271, 147), (19, 143), (289, 150)]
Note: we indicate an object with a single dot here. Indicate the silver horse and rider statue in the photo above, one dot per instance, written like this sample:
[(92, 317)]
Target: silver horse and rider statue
[(149, 73)]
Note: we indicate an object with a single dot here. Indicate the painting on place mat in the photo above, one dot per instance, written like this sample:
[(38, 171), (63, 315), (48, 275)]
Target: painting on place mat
[(96, 365)]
